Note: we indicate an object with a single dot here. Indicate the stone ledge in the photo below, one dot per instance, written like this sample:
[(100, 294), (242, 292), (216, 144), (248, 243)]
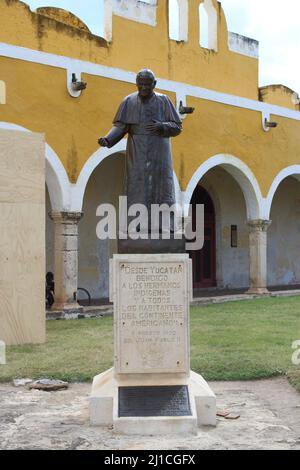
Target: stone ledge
[(87, 312)]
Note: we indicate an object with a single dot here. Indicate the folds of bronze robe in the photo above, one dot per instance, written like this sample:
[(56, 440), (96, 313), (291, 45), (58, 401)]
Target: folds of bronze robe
[(149, 169)]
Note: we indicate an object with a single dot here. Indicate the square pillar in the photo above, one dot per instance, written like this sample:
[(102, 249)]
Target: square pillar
[(66, 260), (258, 256)]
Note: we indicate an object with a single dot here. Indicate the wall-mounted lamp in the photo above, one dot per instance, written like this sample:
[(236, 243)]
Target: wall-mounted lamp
[(267, 124), (270, 124), (185, 109), (234, 236), (76, 84)]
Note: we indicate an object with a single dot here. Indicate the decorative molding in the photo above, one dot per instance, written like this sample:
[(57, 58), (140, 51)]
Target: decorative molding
[(259, 225), (66, 217)]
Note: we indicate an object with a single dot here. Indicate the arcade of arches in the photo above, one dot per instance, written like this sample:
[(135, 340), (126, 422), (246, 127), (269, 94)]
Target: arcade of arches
[(225, 260), (246, 173)]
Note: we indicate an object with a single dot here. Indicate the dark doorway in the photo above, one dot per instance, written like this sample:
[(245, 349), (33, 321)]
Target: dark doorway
[(204, 261)]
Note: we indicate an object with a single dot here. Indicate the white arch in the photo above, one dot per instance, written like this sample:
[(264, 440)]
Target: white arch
[(293, 170), (78, 189), (241, 173), (56, 176), (179, 195)]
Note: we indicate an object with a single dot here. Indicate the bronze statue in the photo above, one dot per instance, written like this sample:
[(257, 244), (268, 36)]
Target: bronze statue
[(149, 119)]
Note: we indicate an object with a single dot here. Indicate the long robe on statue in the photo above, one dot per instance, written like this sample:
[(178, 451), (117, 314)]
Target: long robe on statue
[(149, 168)]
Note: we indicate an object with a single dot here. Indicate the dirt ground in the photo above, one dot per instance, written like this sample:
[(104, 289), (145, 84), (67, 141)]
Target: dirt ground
[(269, 419)]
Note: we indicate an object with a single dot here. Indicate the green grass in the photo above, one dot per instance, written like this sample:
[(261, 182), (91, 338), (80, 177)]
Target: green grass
[(246, 340), (232, 341), (75, 350)]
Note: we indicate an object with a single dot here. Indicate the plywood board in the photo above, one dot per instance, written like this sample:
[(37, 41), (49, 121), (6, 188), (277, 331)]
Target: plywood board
[(22, 237)]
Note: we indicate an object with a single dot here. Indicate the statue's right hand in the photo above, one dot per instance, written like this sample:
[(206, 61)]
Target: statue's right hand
[(103, 142)]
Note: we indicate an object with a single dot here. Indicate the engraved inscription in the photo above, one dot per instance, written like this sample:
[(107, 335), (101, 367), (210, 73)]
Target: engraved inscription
[(154, 401), (152, 317)]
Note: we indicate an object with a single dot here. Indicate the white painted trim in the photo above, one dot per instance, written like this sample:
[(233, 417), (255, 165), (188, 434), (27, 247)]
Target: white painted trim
[(56, 176), (72, 92), (181, 89), (243, 45), (2, 92), (209, 7), (241, 173), (135, 10), (178, 193), (293, 170), (107, 19), (265, 118), (181, 98), (78, 189), (182, 20)]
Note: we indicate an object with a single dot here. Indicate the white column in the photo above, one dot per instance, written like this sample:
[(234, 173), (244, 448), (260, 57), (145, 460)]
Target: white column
[(258, 255), (66, 259)]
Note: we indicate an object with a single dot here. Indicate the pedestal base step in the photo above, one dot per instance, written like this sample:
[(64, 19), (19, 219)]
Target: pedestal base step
[(154, 408)]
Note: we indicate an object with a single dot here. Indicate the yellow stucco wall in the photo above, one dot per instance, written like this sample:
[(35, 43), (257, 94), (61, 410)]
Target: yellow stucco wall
[(280, 95), (37, 97), (135, 45)]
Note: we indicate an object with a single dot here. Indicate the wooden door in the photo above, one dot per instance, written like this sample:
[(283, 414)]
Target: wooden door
[(204, 260)]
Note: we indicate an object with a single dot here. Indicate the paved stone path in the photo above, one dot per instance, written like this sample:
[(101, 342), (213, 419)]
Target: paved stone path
[(269, 419)]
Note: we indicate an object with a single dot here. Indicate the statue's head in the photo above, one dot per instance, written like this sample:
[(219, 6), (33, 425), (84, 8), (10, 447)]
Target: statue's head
[(146, 82)]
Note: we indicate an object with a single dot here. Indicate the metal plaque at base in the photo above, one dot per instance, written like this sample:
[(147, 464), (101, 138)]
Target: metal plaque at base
[(154, 401)]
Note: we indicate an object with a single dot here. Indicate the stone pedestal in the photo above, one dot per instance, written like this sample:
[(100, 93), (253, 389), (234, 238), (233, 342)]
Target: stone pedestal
[(151, 389), (258, 256), (66, 260)]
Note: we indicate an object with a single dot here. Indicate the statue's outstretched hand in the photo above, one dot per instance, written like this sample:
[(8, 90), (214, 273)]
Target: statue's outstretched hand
[(155, 127), (103, 142)]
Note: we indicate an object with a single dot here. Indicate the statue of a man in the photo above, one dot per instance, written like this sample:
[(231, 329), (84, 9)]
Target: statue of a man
[(149, 119)]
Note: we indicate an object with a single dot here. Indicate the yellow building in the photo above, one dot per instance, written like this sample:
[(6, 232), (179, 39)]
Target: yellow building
[(228, 157)]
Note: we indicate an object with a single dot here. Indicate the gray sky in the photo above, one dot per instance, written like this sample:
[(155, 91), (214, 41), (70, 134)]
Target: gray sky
[(275, 23)]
